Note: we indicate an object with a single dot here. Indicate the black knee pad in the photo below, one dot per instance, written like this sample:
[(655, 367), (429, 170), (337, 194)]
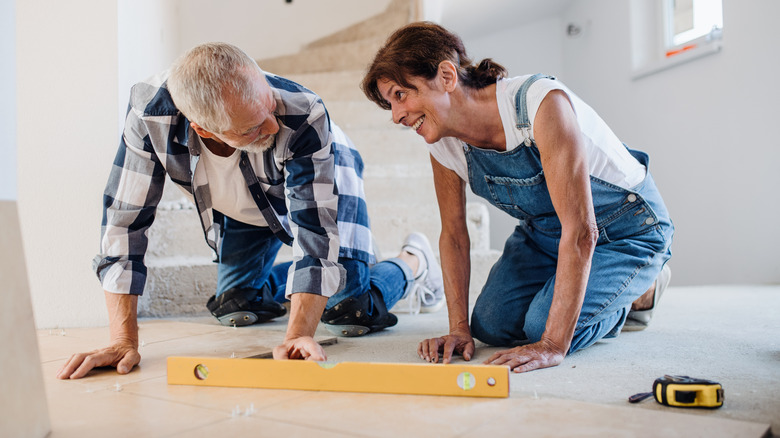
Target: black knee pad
[(245, 306)]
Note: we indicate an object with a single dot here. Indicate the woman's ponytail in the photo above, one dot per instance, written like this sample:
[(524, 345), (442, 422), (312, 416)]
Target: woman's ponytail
[(485, 73)]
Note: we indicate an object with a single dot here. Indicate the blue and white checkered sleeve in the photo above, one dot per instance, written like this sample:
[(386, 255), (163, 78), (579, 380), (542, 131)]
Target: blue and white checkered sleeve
[(313, 207), (130, 200)]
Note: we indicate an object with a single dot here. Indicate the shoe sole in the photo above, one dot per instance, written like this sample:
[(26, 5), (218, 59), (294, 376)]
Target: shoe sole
[(633, 326), (638, 320), (348, 330), (432, 309), (237, 319), (242, 318)]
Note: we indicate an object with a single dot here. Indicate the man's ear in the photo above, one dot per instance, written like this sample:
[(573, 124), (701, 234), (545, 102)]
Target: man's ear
[(200, 131), (448, 75)]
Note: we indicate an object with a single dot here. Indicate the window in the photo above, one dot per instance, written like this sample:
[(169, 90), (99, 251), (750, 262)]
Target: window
[(671, 32), (689, 22)]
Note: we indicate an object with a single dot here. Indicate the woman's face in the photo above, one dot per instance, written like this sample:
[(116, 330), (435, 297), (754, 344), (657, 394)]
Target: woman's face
[(425, 109)]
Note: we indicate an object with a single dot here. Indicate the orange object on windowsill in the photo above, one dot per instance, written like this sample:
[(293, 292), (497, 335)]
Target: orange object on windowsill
[(680, 50)]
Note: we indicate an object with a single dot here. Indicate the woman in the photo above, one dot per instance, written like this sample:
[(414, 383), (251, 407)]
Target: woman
[(593, 235)]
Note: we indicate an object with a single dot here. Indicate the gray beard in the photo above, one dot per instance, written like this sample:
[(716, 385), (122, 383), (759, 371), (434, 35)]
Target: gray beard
[(259, 145)]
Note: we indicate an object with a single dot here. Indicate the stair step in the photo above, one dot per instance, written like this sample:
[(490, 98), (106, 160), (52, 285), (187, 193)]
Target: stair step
[(391, 146), (397, 14), (176, 231), (331, 86), (178, 286), (182, 287), (481, 263), (353, 115), (390, 230), (351, 48), (353, 55)]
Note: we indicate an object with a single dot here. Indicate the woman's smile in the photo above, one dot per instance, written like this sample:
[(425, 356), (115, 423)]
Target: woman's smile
[(418, 123)]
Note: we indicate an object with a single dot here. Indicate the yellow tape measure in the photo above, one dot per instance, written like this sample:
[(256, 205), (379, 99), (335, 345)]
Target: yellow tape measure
[(684, 392)]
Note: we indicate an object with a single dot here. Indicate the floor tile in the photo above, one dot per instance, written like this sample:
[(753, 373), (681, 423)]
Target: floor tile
[(385, 415), (143, 404), (251, 426), (61, 343), (168, 339), (568, 418), (118, 414), (224, 399)]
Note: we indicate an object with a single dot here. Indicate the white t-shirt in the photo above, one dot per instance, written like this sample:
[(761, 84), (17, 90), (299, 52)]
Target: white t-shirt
[(229, 192), (608, 159)]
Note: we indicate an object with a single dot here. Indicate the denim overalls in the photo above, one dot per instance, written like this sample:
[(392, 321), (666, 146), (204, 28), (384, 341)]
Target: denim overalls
[(635, 234)]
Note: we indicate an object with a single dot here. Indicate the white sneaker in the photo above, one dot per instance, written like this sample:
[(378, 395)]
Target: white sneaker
[(639, 319), (427, 292)]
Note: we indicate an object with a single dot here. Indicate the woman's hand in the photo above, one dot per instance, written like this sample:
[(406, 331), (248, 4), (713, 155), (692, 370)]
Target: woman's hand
[(458, 341), (542, 354)]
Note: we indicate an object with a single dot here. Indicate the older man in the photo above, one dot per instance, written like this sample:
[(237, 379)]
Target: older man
[(264, 165)]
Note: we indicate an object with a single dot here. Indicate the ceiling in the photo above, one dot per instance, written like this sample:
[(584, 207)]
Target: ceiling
[(470, 18)]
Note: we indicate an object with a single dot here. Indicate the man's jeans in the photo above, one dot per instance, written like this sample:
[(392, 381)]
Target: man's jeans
[(247, 260)]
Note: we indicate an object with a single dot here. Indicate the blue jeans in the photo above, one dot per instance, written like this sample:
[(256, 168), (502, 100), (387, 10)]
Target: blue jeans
[(635, 235), (247, 258), (515, 301)]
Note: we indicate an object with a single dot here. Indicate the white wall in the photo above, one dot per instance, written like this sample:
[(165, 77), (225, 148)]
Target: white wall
[(67, 100), (535, 47), (707, 124), (269, 28), (8, 186), (709, 128), (148, 42)]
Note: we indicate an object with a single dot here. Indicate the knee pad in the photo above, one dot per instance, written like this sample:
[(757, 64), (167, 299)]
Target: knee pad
[(245, 306)]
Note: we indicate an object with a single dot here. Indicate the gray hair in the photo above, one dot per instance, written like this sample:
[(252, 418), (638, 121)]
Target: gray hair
[(202, 79)]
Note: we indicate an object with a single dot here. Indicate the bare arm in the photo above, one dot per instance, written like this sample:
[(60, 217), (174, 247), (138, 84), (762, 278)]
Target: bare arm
[(122, 353), (566, 167), (305, 313), (454, 245), (566, 170)]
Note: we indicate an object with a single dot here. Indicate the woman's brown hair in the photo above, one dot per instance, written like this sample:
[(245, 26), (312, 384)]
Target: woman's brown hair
[(417, 49)]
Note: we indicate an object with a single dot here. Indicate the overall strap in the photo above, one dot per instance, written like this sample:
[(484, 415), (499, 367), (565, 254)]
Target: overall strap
[(261, 199), (522, 121)]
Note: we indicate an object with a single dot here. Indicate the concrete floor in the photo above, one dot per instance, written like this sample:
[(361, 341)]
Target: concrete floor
[(727, 334)]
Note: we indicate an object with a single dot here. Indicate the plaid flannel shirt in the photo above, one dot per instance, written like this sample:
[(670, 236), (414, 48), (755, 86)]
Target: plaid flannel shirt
[(313, 178)]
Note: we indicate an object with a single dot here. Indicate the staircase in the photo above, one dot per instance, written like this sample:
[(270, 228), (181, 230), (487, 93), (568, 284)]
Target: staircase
[(398, 177)]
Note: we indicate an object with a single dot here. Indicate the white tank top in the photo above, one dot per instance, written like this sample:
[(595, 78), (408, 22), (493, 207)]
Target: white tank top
[(608, 159)]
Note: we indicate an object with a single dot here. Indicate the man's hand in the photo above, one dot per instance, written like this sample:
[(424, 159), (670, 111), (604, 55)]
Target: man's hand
[(300, 348), (542, 354), (123, 357), (460, 342), (305, 312), (123, 351)]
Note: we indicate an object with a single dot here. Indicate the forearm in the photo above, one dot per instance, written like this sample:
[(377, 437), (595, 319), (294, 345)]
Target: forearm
[(571, 280), (123, 318), (305, 313), (456, 270), (454, 244)]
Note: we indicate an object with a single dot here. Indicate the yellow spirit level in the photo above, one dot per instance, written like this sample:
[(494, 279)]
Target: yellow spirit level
[(391, 378)]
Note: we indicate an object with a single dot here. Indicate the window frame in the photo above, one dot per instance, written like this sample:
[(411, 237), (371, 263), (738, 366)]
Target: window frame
[(664, 54)]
